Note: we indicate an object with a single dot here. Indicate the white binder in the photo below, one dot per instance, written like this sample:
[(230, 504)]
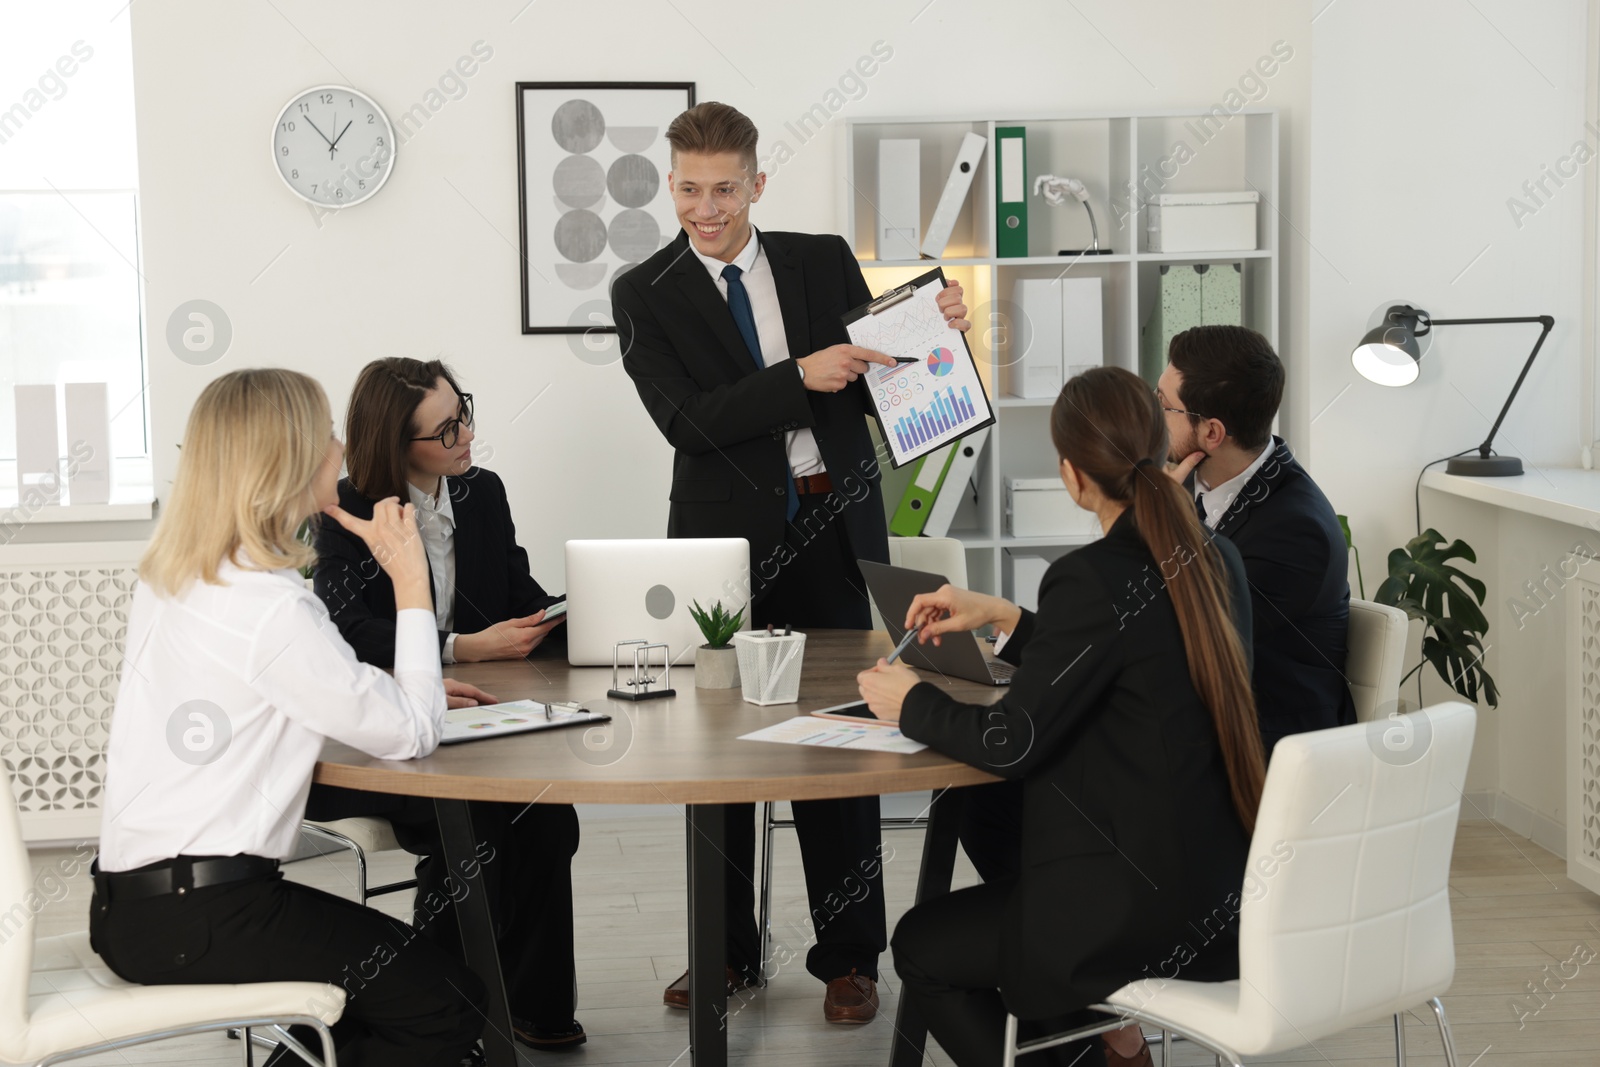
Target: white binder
[(899, 198), (962, 464), (954, 195)]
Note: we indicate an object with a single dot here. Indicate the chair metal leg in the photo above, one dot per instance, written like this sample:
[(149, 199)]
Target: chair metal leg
[(1400, 1040), (1010, 1057), (249, 1052), (1166, 1047), (765, 927), (304, 1053), (1444, 1032)]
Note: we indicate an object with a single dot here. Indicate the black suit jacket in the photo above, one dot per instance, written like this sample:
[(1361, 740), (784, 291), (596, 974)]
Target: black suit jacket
[(726, 420), (1132, 855), (1295, 557), (493, 582)]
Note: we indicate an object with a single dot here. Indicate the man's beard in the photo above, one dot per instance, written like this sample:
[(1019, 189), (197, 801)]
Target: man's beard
[(1182, 448)]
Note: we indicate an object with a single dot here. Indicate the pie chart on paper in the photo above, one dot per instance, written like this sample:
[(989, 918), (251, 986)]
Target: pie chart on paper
[(941, 361)]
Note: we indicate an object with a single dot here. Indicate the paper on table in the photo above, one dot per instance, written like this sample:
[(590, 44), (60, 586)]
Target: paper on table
[(809, 730)]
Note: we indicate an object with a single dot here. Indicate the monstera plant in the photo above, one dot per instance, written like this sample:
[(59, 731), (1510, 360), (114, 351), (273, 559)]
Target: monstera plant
[(1424, 585)]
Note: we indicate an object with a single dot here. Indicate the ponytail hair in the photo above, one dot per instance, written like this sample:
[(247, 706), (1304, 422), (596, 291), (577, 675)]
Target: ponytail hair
[(1108, 424)]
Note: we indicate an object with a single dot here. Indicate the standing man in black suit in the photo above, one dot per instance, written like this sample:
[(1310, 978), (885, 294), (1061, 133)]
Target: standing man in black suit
[(736, 344), (1221, 389)]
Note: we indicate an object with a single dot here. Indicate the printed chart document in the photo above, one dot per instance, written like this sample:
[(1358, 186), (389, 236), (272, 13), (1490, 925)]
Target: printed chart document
[(512, 717), (935, 397), (807, 730)]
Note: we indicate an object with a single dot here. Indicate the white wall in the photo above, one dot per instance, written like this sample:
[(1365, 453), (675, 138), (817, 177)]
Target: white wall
[(1430, 115), (429, 267)]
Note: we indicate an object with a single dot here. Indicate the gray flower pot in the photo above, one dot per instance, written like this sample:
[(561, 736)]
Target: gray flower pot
[(716, 668)]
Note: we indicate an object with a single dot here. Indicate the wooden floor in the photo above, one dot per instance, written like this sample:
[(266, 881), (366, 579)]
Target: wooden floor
[(1517, 920)]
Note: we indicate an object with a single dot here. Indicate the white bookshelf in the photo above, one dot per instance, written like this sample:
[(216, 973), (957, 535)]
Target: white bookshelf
[(1123, 158)]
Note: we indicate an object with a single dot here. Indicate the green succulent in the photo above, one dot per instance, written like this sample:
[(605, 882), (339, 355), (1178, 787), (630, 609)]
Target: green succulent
[(716, 625)]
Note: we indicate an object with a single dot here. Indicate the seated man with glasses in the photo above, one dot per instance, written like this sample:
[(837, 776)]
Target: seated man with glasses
[(1220, 390)]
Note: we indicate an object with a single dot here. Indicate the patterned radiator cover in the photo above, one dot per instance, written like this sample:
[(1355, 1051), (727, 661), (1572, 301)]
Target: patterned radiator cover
[(1583, 738), (63, 613)]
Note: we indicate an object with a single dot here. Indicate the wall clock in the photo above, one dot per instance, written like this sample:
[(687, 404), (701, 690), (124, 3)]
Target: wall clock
[(333, 146)]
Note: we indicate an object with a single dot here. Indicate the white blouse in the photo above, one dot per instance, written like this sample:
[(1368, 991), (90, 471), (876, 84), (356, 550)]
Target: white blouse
[(226, 695)]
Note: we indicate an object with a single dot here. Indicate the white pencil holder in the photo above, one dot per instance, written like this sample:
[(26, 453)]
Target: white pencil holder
[(769, 666)]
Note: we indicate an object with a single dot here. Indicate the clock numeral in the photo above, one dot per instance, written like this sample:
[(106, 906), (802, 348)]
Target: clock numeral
[(326, 98), (380, 142), (284, 150), (304, 108), (313, 187), (338, 194), (287, 126), (369, 120), (362, 184), (294, 173)]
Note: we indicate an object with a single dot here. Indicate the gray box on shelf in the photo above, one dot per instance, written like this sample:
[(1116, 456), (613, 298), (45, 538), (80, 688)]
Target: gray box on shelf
[(1042, 507), (38, 447), (88, 443), (1202, 222), (899, 198), (1199, 294)]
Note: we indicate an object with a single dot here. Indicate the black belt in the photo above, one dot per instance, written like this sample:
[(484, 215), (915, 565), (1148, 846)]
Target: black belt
[(177, 875)]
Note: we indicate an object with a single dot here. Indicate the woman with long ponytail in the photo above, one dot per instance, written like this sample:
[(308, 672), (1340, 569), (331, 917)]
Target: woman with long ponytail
[(1131, 728)]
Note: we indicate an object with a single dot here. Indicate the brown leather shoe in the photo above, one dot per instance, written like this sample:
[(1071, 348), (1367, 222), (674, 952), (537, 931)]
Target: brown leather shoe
[(677, 994), (851, 999), (1138, 1059)]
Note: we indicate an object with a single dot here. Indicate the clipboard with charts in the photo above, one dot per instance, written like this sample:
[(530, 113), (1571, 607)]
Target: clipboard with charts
[(513, 717), (934, 394)]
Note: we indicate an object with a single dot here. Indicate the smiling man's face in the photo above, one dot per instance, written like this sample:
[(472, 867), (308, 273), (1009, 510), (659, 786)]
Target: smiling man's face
[(712, 194)]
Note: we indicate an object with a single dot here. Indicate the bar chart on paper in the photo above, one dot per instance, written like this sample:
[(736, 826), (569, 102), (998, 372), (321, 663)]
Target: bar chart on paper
[(925, 404)]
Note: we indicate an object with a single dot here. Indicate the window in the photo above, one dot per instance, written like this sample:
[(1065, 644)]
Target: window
[(70, 281)]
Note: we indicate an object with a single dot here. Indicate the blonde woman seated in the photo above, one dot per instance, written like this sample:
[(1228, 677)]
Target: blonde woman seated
[(1130, 725), (233, 677)]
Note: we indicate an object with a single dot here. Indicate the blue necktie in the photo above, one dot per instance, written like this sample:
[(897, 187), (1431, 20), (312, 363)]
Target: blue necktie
[(744, 317)]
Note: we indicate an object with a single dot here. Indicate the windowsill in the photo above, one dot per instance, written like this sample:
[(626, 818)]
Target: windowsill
[(1562, 494), (132, 500)]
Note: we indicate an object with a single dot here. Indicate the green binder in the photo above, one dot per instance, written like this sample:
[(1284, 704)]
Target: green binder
[(927, 476), (1011, 191)]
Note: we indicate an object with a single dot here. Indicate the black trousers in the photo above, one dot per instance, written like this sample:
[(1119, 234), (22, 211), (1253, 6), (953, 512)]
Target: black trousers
[(408, 1004), (991, 829), (529, 881), (817, 585), (947, 953)]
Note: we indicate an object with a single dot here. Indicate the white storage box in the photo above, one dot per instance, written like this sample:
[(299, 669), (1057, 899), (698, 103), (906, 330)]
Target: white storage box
[(1062, 328), (1042, 507), (1202, 222)]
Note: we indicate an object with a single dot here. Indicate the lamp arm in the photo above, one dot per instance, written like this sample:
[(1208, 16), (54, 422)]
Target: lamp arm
[(1544, 320)]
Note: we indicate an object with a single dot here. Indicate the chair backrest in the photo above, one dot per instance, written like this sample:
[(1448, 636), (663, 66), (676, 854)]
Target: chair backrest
[(1345, 908), (1375, 658), (940, 555), (19, 902)]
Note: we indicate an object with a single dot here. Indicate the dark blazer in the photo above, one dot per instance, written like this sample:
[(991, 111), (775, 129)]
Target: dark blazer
[(725, 419), (1295, 557), (1132, 854), (493, 583)]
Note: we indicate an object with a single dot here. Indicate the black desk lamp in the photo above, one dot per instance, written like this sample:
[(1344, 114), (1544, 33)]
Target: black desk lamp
[(1389, 355)]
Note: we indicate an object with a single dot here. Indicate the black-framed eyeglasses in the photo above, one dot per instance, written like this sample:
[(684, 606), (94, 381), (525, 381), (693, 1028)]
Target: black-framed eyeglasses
[(1176, 411), (450, 433)]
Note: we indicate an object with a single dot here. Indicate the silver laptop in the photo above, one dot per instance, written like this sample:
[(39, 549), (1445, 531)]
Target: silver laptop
[(960, 655), (620, 590)]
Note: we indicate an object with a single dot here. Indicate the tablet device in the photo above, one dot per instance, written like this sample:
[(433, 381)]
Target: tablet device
[(852, 712)]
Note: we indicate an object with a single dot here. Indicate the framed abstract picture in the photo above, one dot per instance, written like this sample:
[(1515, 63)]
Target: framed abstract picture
[(592, 163)]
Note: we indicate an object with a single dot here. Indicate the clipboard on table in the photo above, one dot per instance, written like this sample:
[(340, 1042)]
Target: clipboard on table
[(937, 395), (513, 717)]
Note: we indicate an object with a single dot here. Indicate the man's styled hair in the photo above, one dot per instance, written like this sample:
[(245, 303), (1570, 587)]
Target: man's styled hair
[(711, 128), (1230, 373)]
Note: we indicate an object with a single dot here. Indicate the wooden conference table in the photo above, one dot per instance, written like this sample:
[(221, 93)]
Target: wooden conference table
[(683, 751)]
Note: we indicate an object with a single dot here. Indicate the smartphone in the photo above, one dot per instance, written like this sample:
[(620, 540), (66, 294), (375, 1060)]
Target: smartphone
[(554, 612), (854, 712)]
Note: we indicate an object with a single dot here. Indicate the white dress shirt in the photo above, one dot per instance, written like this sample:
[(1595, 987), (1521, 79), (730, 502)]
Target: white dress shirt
[(227, 693), (436, 521), (1217, 499), (805, 458)]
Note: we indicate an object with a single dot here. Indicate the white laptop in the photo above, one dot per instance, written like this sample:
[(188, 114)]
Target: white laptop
[(620, 590)]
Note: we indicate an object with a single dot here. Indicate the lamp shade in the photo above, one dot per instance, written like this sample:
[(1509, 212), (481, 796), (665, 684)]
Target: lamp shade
[(1389, 353)]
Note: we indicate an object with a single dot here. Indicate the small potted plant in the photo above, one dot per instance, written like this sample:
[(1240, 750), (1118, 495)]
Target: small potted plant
[(716, 663)]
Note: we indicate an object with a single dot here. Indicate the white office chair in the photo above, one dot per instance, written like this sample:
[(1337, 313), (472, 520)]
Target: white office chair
[(1354, 925), (938, 555), (59, 1001), (1375, 658), (361, 835)]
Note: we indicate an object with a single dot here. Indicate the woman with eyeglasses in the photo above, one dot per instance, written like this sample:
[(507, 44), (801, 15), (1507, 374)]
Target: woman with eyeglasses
[(409, 432)]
